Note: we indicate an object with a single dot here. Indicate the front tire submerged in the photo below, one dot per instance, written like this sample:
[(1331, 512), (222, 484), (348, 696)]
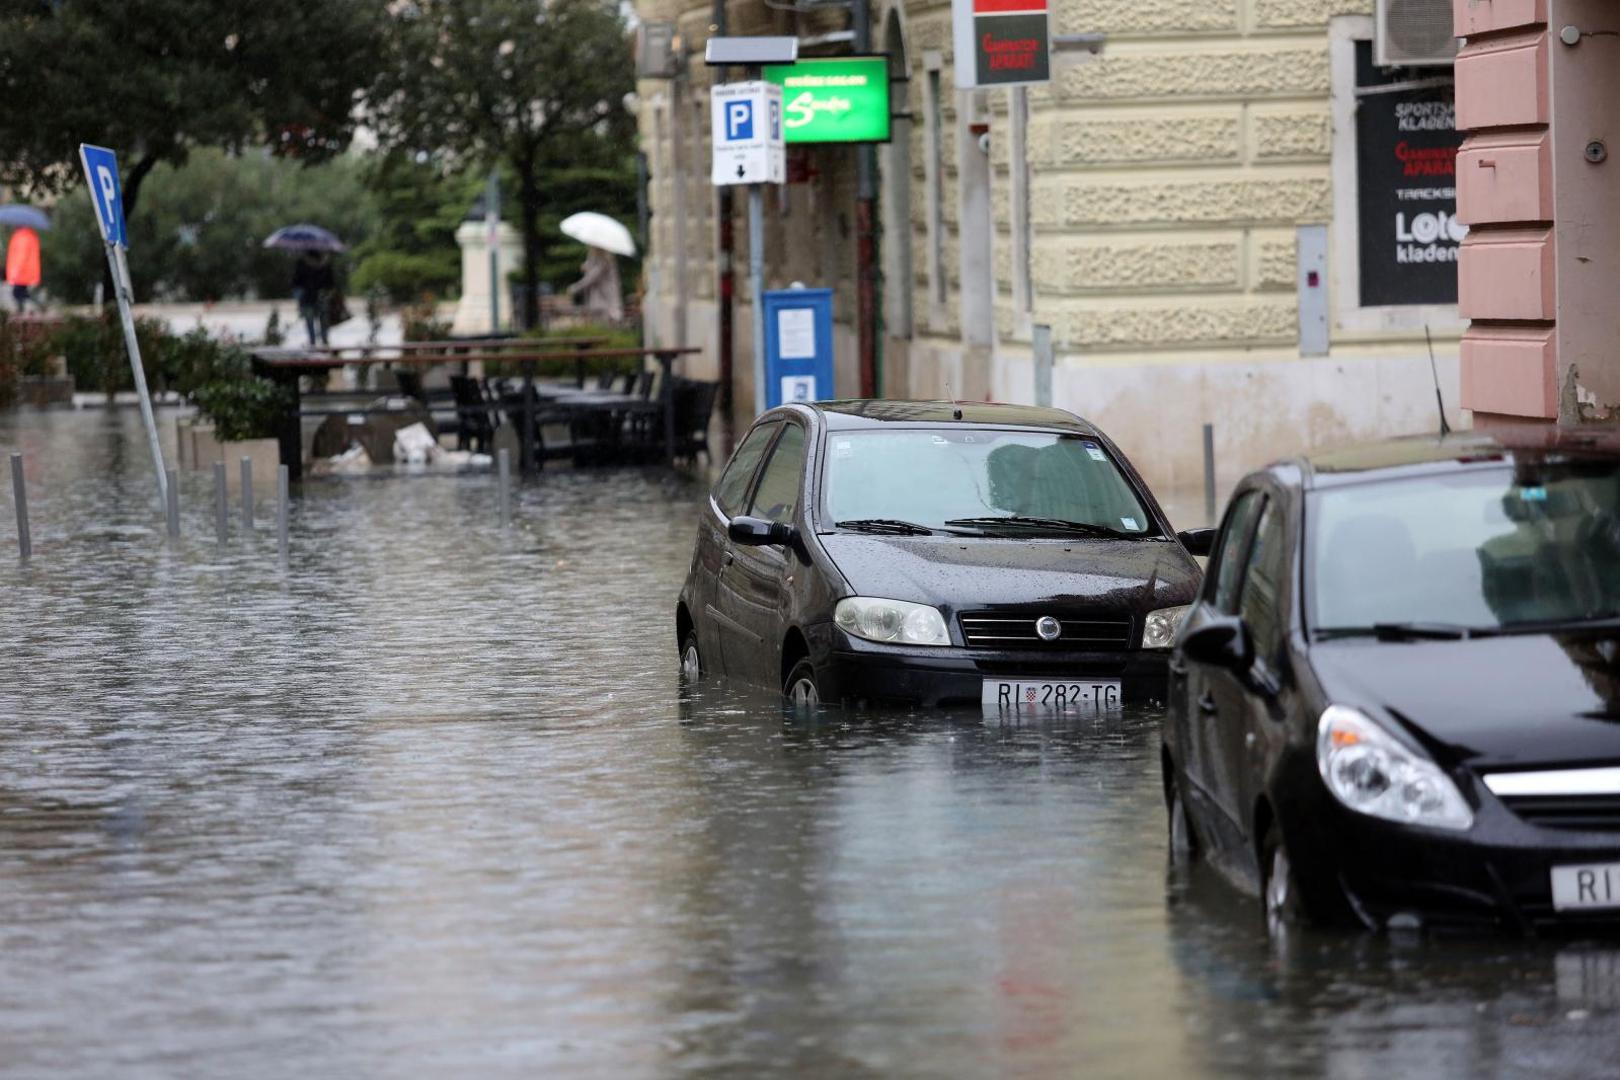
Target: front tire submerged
[(1183, 841), (800, 688), (691, 659), (1285, 910)]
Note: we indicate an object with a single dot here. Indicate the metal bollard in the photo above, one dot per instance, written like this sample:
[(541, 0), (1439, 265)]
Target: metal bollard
[(221, 502), (503, 461), (247, 495), (1041, 341), (1209, 473), (172, 504), (282, 484), (25, 541)]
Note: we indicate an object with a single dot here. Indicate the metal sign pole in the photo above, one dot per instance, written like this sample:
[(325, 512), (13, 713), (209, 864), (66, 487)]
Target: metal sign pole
[(492, 235), (756, 280), (101, 174), (121, 286)]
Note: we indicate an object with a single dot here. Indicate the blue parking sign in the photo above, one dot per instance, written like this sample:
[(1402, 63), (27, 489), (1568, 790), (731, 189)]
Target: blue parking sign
[(101, 173), (739, 121)]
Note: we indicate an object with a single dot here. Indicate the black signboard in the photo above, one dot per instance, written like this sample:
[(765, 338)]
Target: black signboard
[(1406, 179), (1009, 41)]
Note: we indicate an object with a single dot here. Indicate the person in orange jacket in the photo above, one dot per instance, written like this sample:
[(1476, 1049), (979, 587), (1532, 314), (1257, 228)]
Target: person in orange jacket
[(22, 264)]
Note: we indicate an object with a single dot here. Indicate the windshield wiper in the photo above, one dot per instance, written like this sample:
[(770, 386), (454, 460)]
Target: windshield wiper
[(890, 526), (1020, 521), (1408, 631)]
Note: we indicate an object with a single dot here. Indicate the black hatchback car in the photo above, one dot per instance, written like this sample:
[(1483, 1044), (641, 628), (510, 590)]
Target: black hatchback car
[(935, 553), (1397, 698)]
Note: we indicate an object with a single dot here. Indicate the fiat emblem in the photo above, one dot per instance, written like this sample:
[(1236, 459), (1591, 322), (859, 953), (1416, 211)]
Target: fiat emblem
[(1048, 628)]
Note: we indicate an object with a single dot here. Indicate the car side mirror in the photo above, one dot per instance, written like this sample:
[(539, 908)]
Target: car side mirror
[(1219, 640), (757, 532), (1197, 541)]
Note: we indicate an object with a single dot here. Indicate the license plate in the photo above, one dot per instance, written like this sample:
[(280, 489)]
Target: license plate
[(1586, 888), (1024, 695)]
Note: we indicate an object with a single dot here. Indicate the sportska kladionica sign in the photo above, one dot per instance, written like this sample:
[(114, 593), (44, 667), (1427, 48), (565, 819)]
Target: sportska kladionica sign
[(1406, 187), (842, 99)]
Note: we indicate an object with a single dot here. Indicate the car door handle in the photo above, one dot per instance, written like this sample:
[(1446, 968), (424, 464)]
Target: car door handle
[(1207, 706), (1178, 668)]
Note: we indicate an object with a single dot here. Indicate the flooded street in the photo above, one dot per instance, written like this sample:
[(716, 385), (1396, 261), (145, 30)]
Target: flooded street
[(432, 802)]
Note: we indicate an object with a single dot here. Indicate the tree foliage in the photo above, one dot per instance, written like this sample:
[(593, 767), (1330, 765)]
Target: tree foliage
[(201, 233), (412, 253), (532, 85), (154, 79)]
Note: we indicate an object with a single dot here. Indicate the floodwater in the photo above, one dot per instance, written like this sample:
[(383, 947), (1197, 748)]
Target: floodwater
[(432, 803)]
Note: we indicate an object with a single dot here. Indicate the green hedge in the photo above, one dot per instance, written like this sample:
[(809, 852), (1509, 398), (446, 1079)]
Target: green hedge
[(216, 375)]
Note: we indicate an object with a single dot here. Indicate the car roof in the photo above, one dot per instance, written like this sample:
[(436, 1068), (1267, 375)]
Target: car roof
[(1414, 455), (856, 414)]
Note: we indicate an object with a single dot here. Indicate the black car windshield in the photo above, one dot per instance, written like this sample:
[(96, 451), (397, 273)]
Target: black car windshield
[(1525, 544), (941, 478)]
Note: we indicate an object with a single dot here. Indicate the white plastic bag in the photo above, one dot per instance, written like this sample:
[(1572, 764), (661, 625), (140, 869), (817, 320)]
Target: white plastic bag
[(414, 445)]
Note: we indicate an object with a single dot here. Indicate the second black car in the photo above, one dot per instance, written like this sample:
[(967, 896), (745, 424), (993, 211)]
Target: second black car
[(935, 553)]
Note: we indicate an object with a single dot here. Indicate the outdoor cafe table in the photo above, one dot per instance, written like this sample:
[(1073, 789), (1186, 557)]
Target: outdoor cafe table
[(286, 366)]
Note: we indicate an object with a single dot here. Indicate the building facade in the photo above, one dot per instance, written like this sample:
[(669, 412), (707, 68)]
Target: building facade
[(1232, 215), (1536, 83)]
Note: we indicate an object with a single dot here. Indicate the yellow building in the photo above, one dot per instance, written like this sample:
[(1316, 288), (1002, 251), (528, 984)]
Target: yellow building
[(1182, 210)]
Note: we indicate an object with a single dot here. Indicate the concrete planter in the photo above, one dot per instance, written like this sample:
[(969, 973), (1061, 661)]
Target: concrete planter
[(204, 449), (265, 453)]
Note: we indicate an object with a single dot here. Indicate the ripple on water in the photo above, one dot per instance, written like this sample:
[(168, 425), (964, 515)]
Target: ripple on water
[(432, 803)]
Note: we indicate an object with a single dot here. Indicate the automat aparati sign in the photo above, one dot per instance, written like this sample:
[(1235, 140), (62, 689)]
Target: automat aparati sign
[(1406, 178), (1001, 42)]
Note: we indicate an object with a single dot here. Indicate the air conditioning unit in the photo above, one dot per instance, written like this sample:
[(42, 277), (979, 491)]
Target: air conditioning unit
[(658, 52), (1414, 33)]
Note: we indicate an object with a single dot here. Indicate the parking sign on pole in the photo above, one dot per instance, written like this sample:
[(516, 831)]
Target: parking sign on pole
[(747, 128), (748, 149), (107, 194)]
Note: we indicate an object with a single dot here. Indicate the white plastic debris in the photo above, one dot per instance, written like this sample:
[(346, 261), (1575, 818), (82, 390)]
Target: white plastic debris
[(354, 459), (415, 445)]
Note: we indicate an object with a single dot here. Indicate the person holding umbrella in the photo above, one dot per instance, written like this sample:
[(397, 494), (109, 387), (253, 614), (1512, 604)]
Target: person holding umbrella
[(604, 238), (313, 283), (22, 253)]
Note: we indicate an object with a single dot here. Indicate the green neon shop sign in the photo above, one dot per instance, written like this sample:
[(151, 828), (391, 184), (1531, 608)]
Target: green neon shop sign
[(837, 99)]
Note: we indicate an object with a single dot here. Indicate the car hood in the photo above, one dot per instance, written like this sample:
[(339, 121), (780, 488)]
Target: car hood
[(1520, 699), (968, 573)]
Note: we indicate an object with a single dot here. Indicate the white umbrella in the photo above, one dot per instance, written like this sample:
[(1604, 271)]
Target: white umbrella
[(599, 230)]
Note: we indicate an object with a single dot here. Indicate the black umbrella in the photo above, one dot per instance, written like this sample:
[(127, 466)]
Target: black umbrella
[(304, 237)]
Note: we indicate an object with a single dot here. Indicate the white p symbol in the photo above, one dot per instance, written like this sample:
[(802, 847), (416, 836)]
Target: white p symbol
[(740, 120), (109, 195)]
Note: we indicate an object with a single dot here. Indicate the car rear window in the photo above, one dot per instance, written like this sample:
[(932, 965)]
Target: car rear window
[(930, 477)]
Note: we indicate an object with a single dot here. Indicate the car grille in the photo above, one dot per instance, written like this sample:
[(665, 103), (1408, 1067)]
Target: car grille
[(998, 630), (1590, 813)]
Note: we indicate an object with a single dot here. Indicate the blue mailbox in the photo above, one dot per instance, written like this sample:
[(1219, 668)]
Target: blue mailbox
[(798, 346)]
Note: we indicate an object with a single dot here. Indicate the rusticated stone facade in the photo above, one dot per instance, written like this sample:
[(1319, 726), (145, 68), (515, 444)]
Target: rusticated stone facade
[(1157, 235)]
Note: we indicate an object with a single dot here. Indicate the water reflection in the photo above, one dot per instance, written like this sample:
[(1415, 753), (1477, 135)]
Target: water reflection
[(434, 804)]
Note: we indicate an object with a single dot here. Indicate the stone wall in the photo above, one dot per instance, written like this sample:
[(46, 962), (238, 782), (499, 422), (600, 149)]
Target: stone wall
[(1167, 180)]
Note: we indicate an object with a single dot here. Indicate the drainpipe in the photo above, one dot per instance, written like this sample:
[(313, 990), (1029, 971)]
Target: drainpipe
[(727, 242), (865, 227)]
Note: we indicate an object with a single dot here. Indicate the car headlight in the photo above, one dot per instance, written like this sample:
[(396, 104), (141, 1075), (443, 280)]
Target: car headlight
[(1159, 632), (1370, 772), (894, 622)]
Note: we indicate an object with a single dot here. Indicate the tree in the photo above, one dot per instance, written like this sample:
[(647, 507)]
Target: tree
[(154, 79), (526, 83), (413, 252), (201, 229)]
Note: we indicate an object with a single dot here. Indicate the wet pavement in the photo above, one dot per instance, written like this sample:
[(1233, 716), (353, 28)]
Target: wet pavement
[(432, 803)]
